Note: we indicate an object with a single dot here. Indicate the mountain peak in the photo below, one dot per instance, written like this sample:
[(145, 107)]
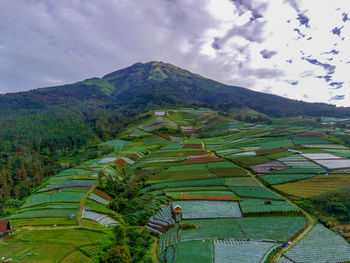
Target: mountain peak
[(153, 70)]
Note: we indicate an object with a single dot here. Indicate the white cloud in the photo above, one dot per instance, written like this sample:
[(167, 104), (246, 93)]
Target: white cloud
[(44, 43)]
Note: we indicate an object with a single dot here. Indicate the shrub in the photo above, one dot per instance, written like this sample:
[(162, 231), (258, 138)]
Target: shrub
[(118, 254), (186, 226)]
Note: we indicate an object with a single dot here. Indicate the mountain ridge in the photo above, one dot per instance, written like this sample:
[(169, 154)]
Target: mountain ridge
[(162, 84)]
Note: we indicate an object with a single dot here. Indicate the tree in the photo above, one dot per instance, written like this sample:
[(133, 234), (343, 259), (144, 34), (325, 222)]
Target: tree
[(118, 254), (119, 232)]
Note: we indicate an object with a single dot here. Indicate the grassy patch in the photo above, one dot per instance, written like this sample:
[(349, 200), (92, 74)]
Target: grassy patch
[(194, 252), (51, 245)]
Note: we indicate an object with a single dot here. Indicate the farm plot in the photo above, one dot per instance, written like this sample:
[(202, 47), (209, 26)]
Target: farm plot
[(278, 228), (206, 182), (220, 228), (276, 144), (117, 145), (279, 178), (301, 140), (299, 162), (226, 151), (203, 195), (208, 209), (226, 169), (255, 192), (196, 188), (73, 183), (37, 199), (255, 206), (231, 251), (339, 152), (183, 172), (325, 146), (192, 146), (194, 252), (315, 185), (40, 213), (241, 181), (269, 167), (174, 153), (328, 160), (320, 245), (52, 245), (168, 238), (202, 159)]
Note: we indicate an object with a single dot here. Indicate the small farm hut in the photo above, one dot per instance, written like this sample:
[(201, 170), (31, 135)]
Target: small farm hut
[(177, 209), (5, 227)]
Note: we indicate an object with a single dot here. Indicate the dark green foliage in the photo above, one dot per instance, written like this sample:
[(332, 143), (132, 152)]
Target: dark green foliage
[(334, 204), (118, 254), (186, 226), (119, 233), (139, 242)]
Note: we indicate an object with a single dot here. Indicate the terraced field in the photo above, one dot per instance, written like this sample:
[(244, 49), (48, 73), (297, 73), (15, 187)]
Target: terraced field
[(207, 193)]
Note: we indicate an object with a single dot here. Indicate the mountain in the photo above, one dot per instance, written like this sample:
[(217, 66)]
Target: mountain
[(159, 84), (40, 126)]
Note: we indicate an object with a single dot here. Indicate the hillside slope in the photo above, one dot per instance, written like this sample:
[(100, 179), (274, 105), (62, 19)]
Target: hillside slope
[(41, 126), (161, 84)]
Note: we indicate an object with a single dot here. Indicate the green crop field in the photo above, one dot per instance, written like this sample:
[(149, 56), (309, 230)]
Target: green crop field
[(255, 192), (212, 228), (194, 252), (53, 245), (241, 181), (179, 195), (274, 227), (56, 212), (208, 182), (252, 205), (38, 199), (284, 178), (208, 209)]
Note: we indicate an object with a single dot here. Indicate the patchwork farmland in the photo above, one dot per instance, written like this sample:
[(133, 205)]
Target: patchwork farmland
[(220, 191)]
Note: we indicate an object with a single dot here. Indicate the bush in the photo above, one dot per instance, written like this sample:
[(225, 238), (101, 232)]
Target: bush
[(186, 226), (118, 254), (119, 233)]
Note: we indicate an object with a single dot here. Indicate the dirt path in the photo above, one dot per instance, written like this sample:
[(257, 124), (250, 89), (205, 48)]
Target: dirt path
[(82, 204), (154, 251)]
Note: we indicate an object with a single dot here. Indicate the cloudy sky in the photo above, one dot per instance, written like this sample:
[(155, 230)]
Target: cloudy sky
[(292, 48)]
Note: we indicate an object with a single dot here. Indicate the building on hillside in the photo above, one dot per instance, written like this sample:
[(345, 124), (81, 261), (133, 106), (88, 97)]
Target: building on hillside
[(177, 209), (5, 228), (178, 213), (161, 113)]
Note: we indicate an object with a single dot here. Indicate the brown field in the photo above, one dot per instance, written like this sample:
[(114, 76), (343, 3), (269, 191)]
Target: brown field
[(165, 136), (315, 185), (121, 163), (270, 151), (269, 167), (132, 156), (103, 194)]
